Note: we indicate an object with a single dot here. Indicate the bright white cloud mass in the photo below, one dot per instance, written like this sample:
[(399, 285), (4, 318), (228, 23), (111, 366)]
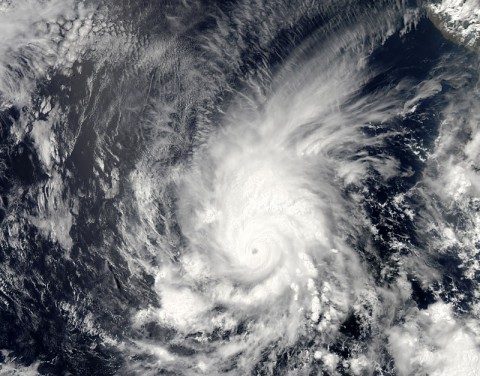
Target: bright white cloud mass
[(245, 187)]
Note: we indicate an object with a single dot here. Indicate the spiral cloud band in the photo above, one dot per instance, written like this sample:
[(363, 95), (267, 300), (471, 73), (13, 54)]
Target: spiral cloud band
[(241, 187), (261, 210)]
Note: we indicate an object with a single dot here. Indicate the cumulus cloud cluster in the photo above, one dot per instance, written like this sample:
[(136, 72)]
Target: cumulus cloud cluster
[(437, 343)]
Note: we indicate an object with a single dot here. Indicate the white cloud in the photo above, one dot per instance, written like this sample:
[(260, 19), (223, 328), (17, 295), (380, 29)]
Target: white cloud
[(436, 343), (28, 45)]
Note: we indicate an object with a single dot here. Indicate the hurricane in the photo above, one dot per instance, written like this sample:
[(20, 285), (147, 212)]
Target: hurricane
[(239, 187)]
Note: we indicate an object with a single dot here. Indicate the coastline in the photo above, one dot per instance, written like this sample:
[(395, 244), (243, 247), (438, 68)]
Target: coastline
[(456, 23)]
